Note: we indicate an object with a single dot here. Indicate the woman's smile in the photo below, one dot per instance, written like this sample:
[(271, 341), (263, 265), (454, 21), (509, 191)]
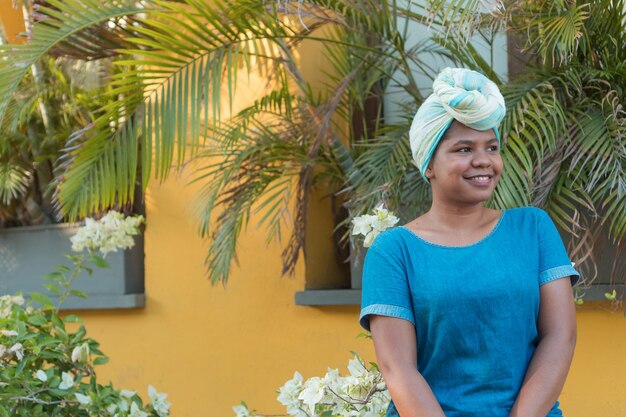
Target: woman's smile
[(480, 180)]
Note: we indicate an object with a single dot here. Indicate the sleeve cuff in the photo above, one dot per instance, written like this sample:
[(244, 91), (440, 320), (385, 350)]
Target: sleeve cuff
[(384, 310), (559, 272)]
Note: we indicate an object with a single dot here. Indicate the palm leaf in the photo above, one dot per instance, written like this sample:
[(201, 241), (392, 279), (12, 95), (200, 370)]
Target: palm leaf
[(14, 181)]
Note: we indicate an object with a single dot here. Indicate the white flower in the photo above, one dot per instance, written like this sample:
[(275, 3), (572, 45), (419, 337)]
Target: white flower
[(128, 394), (157, 400), (371, 226), (369, 239), (135, 411), (7, 302), (313, 392), (41, 375), (67, 381), (8, 332), (241, 411), (110, 233), (124, 406), (80, 353), (356, 368), (362, 224), (288, 394), (83, 399), (356, 395), (3, 350), (18, 350), (124, 403)]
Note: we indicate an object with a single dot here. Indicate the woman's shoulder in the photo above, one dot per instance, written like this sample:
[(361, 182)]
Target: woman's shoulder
[(527, 220), (526, 213), (388, 238)]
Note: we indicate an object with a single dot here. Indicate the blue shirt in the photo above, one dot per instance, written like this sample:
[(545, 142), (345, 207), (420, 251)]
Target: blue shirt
[(474, 307)]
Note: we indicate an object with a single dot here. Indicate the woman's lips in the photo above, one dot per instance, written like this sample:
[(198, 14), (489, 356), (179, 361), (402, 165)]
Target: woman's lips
[(480, 180)]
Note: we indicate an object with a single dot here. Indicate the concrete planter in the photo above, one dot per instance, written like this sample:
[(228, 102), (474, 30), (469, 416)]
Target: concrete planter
[(26, 253), (357, 257)]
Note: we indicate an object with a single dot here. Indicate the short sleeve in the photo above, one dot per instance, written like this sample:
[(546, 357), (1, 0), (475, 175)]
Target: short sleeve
[(385, 289), (554, 263)]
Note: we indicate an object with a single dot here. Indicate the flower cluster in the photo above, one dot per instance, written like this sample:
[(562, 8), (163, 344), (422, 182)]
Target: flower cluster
[(110, 233), (7, 302), (371, 225), (46, 369), (130, 405), (362, 393)]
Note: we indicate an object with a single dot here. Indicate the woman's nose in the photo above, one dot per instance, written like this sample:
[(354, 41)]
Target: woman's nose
[(481, 158)]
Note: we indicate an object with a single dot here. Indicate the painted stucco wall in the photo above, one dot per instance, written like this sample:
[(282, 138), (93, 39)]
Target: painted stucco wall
[(211, 347), (12, 20)]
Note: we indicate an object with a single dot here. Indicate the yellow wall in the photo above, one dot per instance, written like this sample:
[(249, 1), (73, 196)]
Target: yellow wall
[(211, 347), (12, 19)]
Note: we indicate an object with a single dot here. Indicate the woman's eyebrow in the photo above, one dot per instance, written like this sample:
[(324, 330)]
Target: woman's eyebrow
[(470, 142)]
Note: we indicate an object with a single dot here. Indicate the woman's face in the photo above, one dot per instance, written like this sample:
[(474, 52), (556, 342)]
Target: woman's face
[(466, 165)]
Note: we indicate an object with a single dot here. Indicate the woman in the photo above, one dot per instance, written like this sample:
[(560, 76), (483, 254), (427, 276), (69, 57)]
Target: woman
[(466, 305)]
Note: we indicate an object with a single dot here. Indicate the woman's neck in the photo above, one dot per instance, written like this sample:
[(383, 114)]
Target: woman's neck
[(453, 217)]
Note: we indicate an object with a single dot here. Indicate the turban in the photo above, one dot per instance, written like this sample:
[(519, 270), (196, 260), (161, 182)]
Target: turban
[(458, 94)]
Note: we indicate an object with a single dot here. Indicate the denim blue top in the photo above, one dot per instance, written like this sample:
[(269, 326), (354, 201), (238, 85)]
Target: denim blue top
[(474, 307)]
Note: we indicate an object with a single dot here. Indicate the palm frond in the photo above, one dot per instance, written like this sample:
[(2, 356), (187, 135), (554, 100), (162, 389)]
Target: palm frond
[(254, 173), (14, 181)]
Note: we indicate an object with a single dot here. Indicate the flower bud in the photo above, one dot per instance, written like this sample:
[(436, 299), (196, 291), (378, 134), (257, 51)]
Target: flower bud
[(80, 354)]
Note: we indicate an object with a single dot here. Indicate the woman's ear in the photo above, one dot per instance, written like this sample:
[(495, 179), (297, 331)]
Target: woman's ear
[(429, 172)]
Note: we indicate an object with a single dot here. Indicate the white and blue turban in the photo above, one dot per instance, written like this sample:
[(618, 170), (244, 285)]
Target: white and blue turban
[(458, 94)]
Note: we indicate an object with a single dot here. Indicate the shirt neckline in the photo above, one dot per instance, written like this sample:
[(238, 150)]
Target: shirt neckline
[(484, 238)]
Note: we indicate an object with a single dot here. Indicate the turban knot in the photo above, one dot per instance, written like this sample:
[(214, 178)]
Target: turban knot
[(458, 94)]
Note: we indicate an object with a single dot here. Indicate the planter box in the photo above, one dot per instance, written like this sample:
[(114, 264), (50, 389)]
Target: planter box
[(27, 253), (357, 257)]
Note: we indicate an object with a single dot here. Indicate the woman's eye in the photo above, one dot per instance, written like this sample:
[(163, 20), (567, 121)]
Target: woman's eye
[(466, 149), (493, 148)]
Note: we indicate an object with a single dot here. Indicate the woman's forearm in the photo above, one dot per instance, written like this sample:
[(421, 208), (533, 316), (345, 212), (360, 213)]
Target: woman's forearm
[(545, 376), (411, 394)]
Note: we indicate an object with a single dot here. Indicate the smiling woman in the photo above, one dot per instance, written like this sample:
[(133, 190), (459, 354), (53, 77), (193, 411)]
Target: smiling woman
[(466, 305)]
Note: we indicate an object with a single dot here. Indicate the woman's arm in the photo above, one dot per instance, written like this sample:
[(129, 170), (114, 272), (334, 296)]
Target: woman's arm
[(396, 352), (548, 368)]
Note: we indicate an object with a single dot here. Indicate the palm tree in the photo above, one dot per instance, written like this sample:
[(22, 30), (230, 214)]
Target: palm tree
[(178, 68)]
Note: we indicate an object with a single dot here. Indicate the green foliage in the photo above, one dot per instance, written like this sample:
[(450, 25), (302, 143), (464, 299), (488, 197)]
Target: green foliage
[(47, 366), (46, 110)]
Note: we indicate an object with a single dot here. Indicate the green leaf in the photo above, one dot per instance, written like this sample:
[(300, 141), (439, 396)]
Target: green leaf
[(101, 360), (63, 268), (53, 288), (610, 296), (99, 261), (54, 277), (59, 393), (73, 258), (78, 293), (37, 320), (42, 299), (72, 318)]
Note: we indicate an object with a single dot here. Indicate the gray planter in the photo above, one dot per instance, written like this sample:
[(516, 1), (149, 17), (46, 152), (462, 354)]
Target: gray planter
[(27, 253), (357, 257)]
